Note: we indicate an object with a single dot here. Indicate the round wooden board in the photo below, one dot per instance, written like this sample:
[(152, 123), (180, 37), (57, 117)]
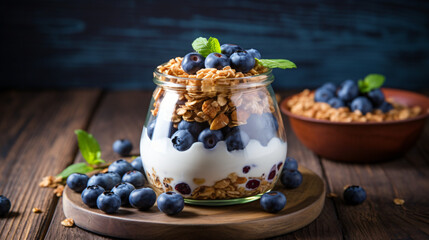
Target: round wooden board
[(244, 221)]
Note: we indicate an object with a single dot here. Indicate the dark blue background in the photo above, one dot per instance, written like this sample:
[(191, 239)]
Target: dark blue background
[(118, 43)]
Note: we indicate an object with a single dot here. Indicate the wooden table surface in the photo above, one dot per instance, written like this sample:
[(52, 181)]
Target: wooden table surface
[(37, 139)]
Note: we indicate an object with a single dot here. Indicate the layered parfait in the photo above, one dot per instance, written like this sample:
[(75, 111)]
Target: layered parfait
[(214, 131)]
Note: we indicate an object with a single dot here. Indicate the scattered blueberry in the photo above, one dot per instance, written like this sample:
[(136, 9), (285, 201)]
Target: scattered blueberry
[(290, 164), (253, 183), (272, 173), (182, 140), (150, 128), (376, 96), (273, 202), (210, 137), (323, 95), (242, 61), (123, 190), (336, 102), (385, 107), (330, 86), (183, 188), (255, 53), (216, 60), (236, 140), (246, 169), (291, 178), (90, 195), (362, 104), (143, 198), (122, 147), (192, 62), (170, 203), (77, 182), (354, 195), (100, 179), (134, 177), (348, 91), (194, 128), (114, 179), (138, 164), (108, 202), (4, 205), (120, 167), (228, 49)]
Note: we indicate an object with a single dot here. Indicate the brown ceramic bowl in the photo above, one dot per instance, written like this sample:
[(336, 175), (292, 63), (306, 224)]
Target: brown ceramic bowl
[(362, 142)]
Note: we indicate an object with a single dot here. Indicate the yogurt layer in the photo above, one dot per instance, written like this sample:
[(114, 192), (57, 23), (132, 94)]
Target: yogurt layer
[(209, 164)]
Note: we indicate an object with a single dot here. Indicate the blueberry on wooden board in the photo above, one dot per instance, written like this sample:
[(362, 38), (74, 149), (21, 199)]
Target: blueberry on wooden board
[(273, 201), (77, 181), (122, 147), (90, 195), (120, 167), (4, 205), (170, 203), (291, 178), (354, 195), (134, 177), (143, 198), (123, 190), (108, 202)]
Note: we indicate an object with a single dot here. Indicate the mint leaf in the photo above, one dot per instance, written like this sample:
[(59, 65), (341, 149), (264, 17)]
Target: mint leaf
[(75, 168), (276, 63), (205, 47), (371, 82), (89, 147)]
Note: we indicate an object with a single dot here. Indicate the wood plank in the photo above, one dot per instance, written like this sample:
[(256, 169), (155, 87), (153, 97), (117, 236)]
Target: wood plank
[(121, 115), (37, 140), (378, 217)]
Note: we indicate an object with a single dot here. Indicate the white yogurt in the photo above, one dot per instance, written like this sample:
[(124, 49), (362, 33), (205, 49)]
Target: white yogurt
[(211, 164)]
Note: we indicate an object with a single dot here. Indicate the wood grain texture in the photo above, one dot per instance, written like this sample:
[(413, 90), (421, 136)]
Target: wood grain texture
[(120, 115), (37, 140), (117, 44), (245, 221)]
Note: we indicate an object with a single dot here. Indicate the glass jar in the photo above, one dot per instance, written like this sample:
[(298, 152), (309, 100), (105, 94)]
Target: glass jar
[(215, 141)]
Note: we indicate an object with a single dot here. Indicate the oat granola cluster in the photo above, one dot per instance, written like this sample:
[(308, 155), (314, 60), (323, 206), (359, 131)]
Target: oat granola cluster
[(303, 104), (205, 98), (233, 186)]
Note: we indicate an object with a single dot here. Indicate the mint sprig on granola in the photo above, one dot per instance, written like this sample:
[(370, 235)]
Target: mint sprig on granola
[(371, 82)]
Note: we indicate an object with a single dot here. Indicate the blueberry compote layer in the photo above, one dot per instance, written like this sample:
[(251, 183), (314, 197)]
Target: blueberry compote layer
[(218, 165)]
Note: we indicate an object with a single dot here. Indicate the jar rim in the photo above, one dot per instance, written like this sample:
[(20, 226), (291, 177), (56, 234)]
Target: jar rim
[(269, 78)]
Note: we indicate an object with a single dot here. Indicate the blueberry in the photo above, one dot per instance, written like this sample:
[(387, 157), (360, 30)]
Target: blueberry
[(210, 137), (262, 127), (330, 86), (290, 164), (228, 49), (253, 183), (150, 128), (192, 62), (376, 96), (242, 61), (236, 140), (182, 140), (120, 167), (216, 60), (170, 203), (183, 188), (336, 102), (348, 91), (385, 107), (4, 205), (194, 128), (362, 104), (122, 147), (143, 198), (273, 202), (246, 169), (291, 178), (102, 180), (354, 195), (323, 95), (108, 202), (114, 179), (90, 195), (123, 190), (134, 177), (272, 173), (77, 182), (255, 53), (138, 164)]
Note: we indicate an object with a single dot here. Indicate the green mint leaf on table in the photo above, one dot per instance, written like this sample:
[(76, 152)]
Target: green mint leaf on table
[(75, 168), (276, 63), (205, 47), (89, 147), (371, 82)]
